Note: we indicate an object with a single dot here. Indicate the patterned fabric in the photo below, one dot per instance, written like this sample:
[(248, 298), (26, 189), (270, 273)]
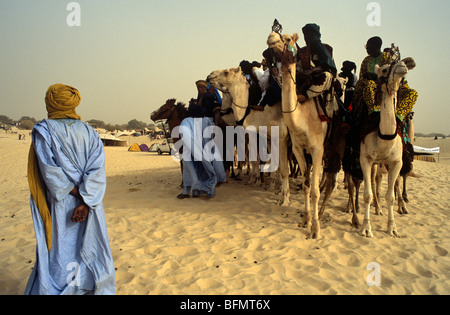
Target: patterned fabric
[(407, 98), (366, 91), (366, 87)]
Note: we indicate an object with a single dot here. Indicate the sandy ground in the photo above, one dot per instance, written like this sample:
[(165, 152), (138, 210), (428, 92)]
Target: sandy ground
[(241, 241)]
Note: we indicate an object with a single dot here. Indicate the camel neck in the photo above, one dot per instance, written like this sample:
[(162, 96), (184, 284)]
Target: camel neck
[(388, 122), (289, 92), (239, 94)]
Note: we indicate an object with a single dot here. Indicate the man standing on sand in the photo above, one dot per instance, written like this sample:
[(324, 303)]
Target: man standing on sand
[(67, 179)]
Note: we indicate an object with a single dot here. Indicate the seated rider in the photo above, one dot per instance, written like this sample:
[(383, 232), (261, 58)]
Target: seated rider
[(364, 100), (349, 72), (255, 92), (316, 68), (207, 104), (271, 92)]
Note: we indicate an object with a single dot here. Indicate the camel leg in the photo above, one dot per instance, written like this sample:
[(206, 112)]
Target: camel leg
[(405, 194), (401, 203), (323, 182), (305, 182), (357, 183), (347, 184), (284, 174), (329, 187), (366, 167), (317, 156), (273, 177), (376, 183), (394, 170), (351, 191)]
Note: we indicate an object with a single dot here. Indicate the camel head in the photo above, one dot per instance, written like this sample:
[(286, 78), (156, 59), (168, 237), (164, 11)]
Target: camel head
[(392, 74), (224, 80), (284, 47), (165, 111)]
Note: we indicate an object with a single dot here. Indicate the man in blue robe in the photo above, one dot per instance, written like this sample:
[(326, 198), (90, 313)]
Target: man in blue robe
[(203, 167), (66, 173)]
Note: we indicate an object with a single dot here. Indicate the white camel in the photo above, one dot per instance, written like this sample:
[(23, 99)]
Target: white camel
[(384, 145), (306, 129), (233, 83)]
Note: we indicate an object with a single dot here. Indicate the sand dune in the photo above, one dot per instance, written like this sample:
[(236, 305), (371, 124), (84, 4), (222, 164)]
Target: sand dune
[(241, 241)]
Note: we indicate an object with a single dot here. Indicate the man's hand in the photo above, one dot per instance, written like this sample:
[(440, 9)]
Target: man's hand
[(80, 213), (74, 192)]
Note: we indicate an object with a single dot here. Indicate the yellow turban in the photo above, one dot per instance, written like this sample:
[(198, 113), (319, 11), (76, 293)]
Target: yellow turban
[(61, 101)]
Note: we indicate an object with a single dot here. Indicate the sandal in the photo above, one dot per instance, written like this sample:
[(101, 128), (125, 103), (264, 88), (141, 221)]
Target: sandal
[(183, 196)]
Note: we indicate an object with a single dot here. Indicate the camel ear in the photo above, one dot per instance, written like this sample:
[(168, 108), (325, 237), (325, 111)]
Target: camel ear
[(295, 37), (238, 69), (409, 62)]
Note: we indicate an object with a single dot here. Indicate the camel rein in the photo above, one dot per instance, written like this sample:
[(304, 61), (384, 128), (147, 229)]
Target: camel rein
[(385, 81), (247, 108)]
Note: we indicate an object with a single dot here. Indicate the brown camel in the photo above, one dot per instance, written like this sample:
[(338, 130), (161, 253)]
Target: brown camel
[(174, 113)]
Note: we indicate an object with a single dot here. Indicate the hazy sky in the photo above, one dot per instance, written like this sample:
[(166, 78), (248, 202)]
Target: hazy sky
[(129, 56)]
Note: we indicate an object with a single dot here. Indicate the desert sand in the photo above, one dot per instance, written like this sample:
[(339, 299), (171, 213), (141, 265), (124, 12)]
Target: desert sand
[(240, 242)]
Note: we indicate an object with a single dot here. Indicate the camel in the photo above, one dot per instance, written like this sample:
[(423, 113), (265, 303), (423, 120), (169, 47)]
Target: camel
[(306, 129), (384, 145), (174, 113), (233, 83), (336, 146)]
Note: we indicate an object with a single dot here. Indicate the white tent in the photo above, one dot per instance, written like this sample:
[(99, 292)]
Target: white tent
[(423, 154), (426, 151), (110, 140)]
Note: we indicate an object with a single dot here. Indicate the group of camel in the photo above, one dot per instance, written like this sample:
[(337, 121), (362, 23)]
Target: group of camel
[(302, 131)]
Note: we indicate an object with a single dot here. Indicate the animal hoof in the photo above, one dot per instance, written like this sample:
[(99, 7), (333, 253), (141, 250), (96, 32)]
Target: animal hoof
[(366, 233), (392, 230), (306, 221), (356, 224), (315, 231), (366, 230)]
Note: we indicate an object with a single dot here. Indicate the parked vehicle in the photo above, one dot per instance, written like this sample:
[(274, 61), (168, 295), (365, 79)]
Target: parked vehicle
[(165, 147), (154, 147)]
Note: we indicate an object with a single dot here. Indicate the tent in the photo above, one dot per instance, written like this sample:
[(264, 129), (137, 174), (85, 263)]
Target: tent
[(423, 154), (135, 148), (109, 140), (426, 151), (144, 147)]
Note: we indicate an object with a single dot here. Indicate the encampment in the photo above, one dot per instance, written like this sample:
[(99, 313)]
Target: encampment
[(135, 148)]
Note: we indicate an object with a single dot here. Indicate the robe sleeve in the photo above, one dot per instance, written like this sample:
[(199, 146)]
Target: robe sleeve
[(56, 181), (93, 186)]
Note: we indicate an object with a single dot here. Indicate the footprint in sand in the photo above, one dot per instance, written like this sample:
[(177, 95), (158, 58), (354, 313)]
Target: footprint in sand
[(441, 251), (134, 189)]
